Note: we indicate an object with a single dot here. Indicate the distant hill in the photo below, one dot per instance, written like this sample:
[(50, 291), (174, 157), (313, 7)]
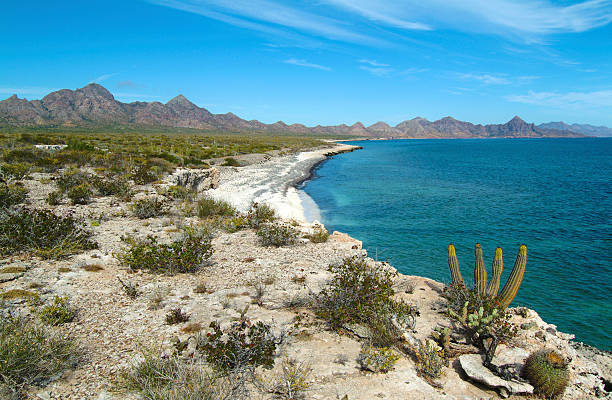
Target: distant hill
[(585, 129), (94, 107)]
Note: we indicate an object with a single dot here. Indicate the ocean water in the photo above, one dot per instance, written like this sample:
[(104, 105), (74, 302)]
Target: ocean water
[(408, 199)]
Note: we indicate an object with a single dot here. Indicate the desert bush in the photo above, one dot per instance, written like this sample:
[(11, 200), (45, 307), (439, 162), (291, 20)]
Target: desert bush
[(116, 186), (362, 293), (292, 381), (172, 378), (277, 235), (376, 359), (80, 194), (30, 354), (231, 162), (54, 198), (429, 360), (58, 312), (149, 207), (176, 316), (234, 224), (548, 372), (72, 178), (260, 214), (130, 289), (42, 232), (183, 255), (12, 194), (209, 207), (242, 345), (178, 192), (320, 235), (17, 171)]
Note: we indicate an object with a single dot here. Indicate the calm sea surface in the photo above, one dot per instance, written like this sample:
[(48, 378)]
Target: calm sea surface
[(408, 199)]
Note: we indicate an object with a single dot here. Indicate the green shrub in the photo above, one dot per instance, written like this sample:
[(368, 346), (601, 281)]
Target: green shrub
[(235, 224), (209, 207), (149, 207), (176, 316), (57, 313), (260, 214), (54, 198), (548, 372), (72, 178), (277, 235), (243, 345), (429, 360), (184, 255), (15, 170), (376, 359), (320, 235), (178, 192), (144, 174), (361, 292), (231, 162), (11, 195), (41, 232), (30, 354), (80, 194), (116, 186)]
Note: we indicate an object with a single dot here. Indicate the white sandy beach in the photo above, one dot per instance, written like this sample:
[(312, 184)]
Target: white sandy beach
[(274, 182)]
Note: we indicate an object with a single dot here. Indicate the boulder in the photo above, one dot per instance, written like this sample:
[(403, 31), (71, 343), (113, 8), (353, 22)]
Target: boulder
[(195, 179), (472, 366)]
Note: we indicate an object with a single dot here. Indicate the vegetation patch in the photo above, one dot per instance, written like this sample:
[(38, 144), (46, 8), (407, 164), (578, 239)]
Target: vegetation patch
[(80, 194), (260, 214), (320, 235), (42, 233), (12, 270), (92, 268), (17, 294), (277, 235), (231, 162), (209, 207), (184, 255), (548, 372), (176, 316), (376, 359), (58, 312), (149, 207), (11, 195)]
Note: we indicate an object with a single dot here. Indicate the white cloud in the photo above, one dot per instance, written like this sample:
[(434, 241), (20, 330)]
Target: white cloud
[(600, 98), (104, 77), (378, 71), (304, 63), (487, 78), (373, 63)]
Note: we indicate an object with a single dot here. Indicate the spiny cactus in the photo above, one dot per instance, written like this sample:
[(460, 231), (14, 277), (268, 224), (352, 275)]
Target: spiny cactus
[(547, 371), (514, 281), (453, 265), (481, 322), (480, 272), (498, 267)]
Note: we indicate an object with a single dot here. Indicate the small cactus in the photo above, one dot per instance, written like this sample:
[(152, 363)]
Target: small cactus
[(514, 281), (498, 267), (480, 272), (547, 371), (453, 265)]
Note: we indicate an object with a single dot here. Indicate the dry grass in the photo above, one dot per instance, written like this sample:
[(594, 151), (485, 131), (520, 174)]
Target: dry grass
[(192, 327), (12, 270), (92, 268), (17, 293)]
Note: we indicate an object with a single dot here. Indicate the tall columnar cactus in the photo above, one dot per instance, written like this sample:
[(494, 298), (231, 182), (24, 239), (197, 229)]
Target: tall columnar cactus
[(453, 265), (514, 281), (480, 272), (498, 267)]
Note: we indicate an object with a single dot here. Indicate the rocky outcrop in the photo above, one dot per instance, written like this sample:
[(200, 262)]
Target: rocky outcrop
[(196, 180)]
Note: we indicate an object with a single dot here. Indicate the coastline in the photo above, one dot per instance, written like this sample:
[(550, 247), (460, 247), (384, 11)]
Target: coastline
[(275, 182)]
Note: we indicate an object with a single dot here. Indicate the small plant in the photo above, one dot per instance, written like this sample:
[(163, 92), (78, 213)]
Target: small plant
[(16, 171), (209, 207), (57, 313), (17, 294), (235, 224), (42, 233), (277, 235), (80, 194), (260, 214), (184, 255), (429, 360), (231, 162), (176, 316), (200, 288), (260, 291), (30, 354), (144, 174), (243, 345), (292, 381), (192, 327), (376, 359), (71, 179), (55, 198), (157, 297), (92, 268), (548, 372), (11, 195), (129, 289), (118, 187), (320, 235), (149, 207), (178, 192)]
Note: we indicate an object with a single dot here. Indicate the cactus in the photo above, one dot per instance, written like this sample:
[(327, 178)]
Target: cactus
[(464, 314), (498, 267), (514, 281), (453, 265), (547, 371), (480, 272), (480, 322)]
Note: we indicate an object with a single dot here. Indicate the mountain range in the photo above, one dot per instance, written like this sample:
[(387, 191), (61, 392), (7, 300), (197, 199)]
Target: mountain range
[(93, 107)]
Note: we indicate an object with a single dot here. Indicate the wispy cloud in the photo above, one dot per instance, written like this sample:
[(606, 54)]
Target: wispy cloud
[(104, 77), (25, 91), (373, 63), (487, 79), (378, 71), (600, 98), (124, 84), (304, 63)]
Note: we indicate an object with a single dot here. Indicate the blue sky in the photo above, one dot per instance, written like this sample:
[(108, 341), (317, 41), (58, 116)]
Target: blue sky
[(324, 61)]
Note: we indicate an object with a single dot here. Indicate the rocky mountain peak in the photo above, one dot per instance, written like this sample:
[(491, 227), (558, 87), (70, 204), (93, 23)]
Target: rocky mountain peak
[(180, 100), (96, 90)]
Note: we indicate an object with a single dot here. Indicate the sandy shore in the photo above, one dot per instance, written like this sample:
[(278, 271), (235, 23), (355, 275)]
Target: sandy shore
[(274, 182)]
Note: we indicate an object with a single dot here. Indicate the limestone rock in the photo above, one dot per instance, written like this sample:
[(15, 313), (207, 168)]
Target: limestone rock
[(472, 365), (195, 179)]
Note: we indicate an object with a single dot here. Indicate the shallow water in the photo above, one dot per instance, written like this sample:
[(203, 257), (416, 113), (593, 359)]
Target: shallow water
[(407, 199)]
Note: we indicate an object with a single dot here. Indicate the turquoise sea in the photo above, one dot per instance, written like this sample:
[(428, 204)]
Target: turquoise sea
[(408, 199)]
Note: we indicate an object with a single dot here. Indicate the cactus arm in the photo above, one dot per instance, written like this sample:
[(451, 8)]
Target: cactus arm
[(480, 272), (453, 265), (498, 267), (514, 281)]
